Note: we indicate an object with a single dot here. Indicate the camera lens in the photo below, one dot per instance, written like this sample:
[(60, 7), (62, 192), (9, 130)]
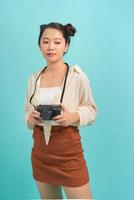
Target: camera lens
[(46, 115)]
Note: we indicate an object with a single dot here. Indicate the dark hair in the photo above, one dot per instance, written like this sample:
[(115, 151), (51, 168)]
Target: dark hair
[(67, 30)]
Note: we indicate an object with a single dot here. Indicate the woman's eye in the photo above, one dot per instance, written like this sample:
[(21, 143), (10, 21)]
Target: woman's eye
[(44, 42), (57, 42)]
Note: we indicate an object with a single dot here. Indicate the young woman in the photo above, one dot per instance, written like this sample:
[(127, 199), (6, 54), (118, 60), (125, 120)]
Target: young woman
[(57, 154)]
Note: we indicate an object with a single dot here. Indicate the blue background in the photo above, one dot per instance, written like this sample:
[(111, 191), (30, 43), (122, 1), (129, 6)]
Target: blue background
[(104, 48)]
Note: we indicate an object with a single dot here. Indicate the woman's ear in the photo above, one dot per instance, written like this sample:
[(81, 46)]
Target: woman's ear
[(66, 48)]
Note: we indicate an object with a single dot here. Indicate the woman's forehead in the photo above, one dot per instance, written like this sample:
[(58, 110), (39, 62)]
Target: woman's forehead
[(50, 33)]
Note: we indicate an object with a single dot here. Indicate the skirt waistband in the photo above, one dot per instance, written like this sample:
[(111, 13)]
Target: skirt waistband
[(58, 127)]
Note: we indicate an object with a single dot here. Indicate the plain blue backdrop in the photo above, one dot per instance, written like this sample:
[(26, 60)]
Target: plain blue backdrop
[(104, 48)]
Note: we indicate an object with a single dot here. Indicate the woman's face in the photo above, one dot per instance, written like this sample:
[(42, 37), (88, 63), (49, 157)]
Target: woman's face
[(52, 44)]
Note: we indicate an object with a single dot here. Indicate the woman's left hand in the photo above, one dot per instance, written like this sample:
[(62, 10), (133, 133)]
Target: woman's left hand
[(66, 118)]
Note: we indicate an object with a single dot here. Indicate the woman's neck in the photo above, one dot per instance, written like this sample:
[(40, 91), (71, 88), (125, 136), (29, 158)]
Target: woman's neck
[(56, 66)]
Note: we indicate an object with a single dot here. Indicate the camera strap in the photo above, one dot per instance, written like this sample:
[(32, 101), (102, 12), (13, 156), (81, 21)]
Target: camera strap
[(63, 90)]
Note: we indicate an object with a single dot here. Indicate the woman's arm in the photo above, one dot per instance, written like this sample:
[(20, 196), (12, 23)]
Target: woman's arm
[(27, 104), (87, 109), (32, 117)]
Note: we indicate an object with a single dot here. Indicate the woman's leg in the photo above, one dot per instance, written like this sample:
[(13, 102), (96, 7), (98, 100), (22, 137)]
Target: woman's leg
[(82, 192), (49, 191)]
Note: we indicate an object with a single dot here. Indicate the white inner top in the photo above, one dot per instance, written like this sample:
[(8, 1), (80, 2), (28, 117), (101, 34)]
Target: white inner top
[(46, 96)]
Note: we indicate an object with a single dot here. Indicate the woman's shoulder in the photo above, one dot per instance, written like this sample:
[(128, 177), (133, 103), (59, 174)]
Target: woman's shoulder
[(79, 72), (35, 74), (75, 69)]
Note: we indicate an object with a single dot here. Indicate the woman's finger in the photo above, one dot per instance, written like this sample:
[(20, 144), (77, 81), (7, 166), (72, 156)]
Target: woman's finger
[(57, 117), (36, 112), (60, 121), (63, 107), (35, 115), (36, 121)]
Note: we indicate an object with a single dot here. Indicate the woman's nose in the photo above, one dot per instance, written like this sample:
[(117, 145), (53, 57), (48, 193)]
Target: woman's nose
[(51, 47)]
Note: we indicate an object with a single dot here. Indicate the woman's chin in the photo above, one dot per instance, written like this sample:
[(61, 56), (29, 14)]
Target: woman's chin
[(53, 60)]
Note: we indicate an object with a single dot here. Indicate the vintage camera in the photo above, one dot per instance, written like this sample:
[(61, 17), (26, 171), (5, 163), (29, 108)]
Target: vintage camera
[(49, 111)]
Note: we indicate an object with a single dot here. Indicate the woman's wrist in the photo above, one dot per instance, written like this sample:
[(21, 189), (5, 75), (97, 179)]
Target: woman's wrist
[(76, 117)]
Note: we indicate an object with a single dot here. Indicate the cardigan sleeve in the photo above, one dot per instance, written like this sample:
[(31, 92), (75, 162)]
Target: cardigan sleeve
[(27, 105), (87, 108)]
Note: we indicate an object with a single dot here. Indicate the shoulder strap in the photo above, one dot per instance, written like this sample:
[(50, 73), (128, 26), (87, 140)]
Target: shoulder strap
[(63, 90)]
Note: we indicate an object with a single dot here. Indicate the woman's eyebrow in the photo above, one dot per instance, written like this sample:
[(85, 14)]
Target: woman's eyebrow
[(58, 38), (54, 38)]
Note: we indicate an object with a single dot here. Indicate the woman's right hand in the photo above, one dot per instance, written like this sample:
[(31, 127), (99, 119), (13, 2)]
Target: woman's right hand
[(34, 118)]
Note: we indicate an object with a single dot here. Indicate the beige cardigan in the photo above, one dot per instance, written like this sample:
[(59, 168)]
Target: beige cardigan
[(77, 98)]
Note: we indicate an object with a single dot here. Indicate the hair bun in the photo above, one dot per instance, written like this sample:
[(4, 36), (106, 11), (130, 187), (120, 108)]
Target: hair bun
[(70, 29)]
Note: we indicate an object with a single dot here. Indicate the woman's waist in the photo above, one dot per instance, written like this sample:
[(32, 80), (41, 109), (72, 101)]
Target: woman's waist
[(57, 127)]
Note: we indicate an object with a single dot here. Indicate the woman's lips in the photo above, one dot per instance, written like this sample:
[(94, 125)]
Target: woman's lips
[(51, 54)]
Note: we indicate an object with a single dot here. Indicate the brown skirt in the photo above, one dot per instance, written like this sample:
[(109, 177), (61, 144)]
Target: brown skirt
[(61, 162)]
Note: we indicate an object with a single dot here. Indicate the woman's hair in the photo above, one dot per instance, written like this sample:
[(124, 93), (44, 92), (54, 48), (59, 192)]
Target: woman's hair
[(67, 30)]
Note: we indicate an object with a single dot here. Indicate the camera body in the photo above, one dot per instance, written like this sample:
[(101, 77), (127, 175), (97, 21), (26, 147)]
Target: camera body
[(49, 111)]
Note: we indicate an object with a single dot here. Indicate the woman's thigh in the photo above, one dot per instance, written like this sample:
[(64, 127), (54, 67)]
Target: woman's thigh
[(82, 192), (49, 191)]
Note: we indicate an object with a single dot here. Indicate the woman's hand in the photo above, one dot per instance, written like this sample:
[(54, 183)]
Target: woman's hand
[(34, 118), (66, 118)]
